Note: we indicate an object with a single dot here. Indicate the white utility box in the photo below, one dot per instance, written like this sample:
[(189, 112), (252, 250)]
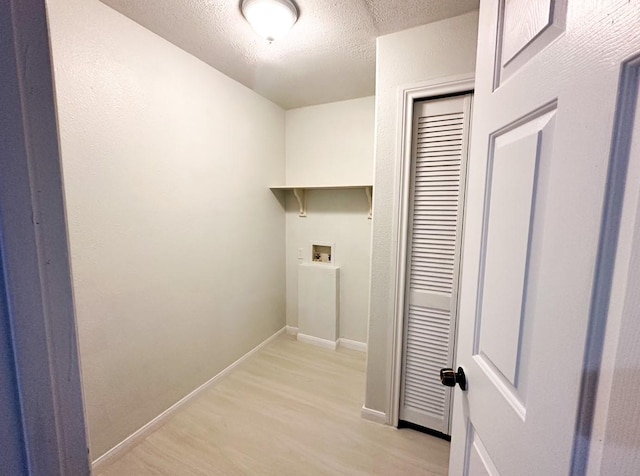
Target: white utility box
[(318, 304)]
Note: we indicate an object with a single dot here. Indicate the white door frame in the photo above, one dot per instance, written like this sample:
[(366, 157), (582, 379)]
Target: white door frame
[(35, 252), (614, 361), (407, 95)]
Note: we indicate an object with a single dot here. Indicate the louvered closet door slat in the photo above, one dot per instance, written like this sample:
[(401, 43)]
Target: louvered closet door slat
[(438, 164)]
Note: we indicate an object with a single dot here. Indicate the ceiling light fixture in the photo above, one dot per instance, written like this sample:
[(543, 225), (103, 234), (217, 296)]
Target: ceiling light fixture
[(270, 19)]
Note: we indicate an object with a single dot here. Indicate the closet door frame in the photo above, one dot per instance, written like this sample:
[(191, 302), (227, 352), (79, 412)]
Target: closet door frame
[(407, 96)]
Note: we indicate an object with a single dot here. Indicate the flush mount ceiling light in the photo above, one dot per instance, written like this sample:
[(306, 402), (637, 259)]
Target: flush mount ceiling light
[(271, 19)]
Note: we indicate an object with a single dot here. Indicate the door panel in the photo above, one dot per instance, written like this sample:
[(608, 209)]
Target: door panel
[(440, 142), (478, 461), (510, 199), (524, 20), (526, 28), (543, 123)]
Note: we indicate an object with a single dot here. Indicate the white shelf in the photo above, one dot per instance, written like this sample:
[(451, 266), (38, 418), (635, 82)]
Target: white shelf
[(299, 191), (320, 187)]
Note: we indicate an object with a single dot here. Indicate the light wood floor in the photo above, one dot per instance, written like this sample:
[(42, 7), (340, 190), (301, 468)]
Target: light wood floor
[(292, 409)]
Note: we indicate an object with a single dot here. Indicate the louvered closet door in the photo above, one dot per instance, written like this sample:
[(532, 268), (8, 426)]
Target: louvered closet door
[(440, 136)]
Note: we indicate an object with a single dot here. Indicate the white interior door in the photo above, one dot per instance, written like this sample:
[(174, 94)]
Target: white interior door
[(438, 163), (541, 174)]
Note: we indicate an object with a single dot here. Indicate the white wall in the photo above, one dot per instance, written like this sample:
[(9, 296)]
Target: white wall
[(437, 50), (177, 244), (332, 144)]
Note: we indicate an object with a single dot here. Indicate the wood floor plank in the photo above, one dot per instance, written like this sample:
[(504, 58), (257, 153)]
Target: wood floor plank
[(292, 409)]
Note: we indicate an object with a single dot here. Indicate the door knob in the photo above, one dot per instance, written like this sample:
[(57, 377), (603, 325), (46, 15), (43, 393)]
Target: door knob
[(450, 378)]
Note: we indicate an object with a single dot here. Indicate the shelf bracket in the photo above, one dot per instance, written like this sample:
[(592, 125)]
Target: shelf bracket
[(302, 200), (369, 192)]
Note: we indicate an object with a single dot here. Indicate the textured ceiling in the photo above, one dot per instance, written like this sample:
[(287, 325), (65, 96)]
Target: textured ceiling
[(329, 54)]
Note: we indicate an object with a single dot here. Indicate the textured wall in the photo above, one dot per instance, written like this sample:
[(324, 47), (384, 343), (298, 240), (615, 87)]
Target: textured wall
[(437, 50), (177, 244), (332, 144)]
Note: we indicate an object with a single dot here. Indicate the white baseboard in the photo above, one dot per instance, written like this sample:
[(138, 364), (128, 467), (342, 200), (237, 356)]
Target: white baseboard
[(327, 344), (132, 440), (373, 415), (352, 344)]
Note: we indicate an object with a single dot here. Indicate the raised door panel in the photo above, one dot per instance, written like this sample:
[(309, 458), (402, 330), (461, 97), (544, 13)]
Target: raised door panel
[(512, 228), (477, 459), (526, 27)]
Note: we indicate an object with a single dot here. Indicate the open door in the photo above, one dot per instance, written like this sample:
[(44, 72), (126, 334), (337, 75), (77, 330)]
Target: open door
[(540, 226)]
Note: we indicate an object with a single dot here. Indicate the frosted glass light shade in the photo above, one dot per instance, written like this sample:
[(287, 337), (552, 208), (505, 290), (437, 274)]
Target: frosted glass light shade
[(271, 19)]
